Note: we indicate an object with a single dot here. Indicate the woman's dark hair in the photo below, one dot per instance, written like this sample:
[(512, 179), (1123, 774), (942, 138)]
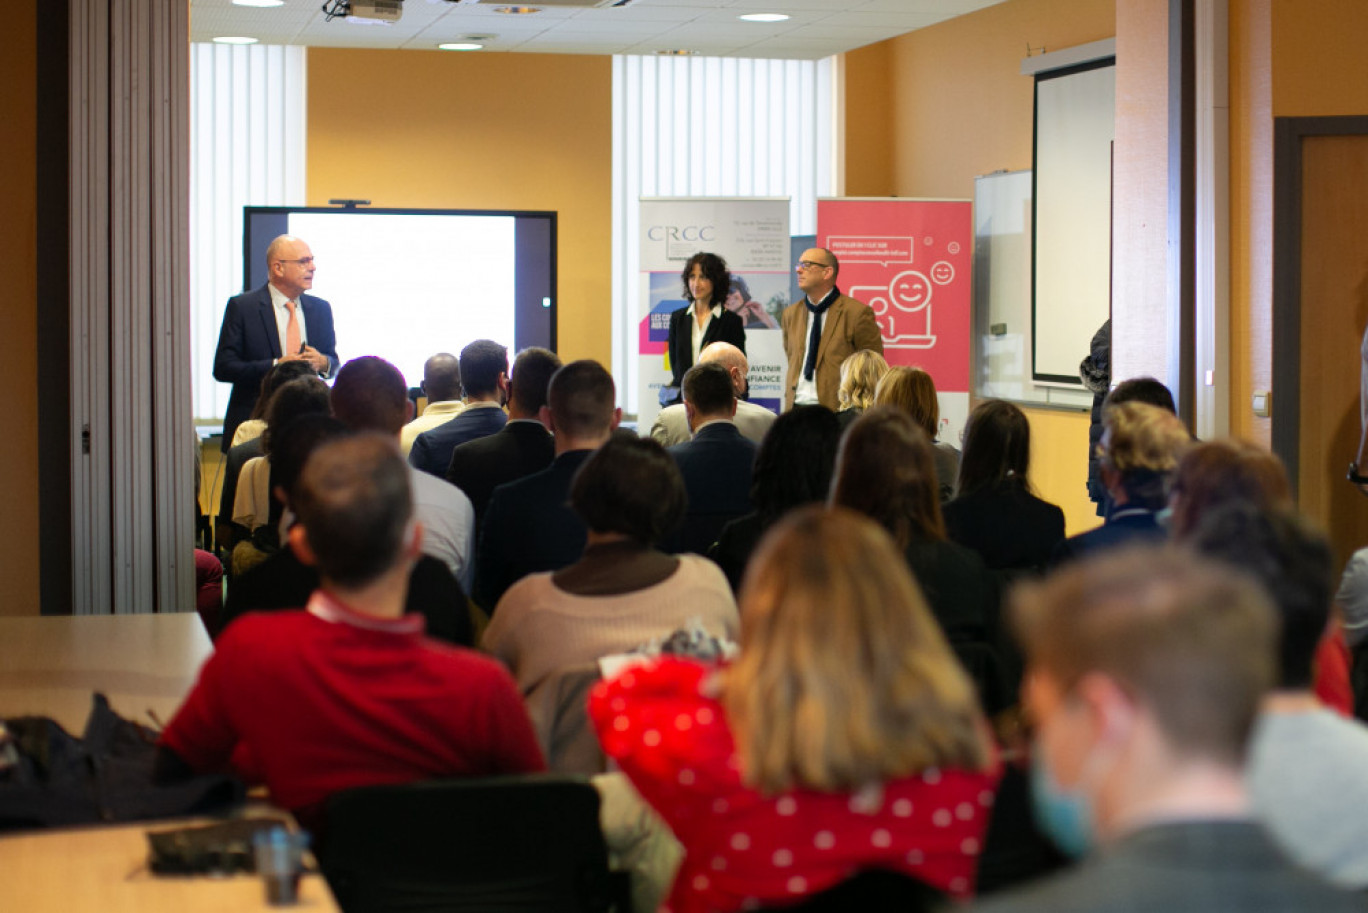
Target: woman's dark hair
[(795, 461), (715, 270), (885, 470), (630, 486), (997, 447), (277, 376), (301, 396)]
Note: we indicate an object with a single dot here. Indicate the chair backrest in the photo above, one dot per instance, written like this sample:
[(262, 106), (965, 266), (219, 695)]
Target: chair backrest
[(872, 891), (507, 844)]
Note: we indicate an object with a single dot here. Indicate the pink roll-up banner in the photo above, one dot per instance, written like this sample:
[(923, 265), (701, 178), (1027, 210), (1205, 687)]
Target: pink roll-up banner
[(911, 261)]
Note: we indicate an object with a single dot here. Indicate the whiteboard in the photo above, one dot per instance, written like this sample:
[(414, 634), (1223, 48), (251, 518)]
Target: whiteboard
[(1002, 332)]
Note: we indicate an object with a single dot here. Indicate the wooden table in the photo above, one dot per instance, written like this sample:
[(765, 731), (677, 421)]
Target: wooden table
[(105, 869), (49, 666)]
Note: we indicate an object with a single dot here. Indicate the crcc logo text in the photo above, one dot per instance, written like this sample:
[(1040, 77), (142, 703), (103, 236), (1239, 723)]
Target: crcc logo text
[(681, 233)]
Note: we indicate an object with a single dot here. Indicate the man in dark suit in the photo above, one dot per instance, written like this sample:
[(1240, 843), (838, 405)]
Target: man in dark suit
[(523, 446), (821, 330), (716, 464), (484, 380), (274, 323), (529, 526)]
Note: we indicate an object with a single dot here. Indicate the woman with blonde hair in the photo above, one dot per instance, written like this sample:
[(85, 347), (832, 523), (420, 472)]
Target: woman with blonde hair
[(913, 391), (860, 376), (845, 737)]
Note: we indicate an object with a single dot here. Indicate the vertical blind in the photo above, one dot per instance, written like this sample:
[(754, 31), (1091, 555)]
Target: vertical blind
[(246, 148), (711, 127)]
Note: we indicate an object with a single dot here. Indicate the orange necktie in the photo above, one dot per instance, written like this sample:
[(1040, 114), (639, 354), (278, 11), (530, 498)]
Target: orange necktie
[(292, 340)]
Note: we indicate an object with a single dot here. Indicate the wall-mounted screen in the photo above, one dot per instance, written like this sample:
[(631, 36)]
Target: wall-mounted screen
[(405, 284)]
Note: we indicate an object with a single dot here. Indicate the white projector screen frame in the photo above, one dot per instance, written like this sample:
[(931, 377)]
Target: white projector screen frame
[(1071, 240)]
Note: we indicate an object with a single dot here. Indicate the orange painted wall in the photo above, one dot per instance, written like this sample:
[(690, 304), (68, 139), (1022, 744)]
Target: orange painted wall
[(18, 318), (870, 99), (497, 131)]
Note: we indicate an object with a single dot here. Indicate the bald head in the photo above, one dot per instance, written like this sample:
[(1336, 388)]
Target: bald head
[(731, 358), (290, 265), (442, 378)]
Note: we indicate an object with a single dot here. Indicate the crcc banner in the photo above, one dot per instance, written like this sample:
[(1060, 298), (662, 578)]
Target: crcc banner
[(752, 235)]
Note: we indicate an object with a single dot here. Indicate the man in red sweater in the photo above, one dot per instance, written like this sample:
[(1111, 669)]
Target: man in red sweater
[(349, 692)]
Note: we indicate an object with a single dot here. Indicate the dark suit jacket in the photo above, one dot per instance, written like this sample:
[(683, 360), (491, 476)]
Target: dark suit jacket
[(1124, 526), (249, 341), (283, 582), (1008, 527), (726, 327), (716, 466), (529, 527), (961, 592), (478, 467), (849, 327), (431, 451)]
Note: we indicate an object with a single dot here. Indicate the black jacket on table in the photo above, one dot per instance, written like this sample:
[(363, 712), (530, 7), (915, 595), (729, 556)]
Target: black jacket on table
[(725, 327)]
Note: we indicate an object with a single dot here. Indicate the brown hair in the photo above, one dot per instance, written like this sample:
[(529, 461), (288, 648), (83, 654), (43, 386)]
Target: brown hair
[(1143, 444), (1222, 472), (1192, 641), (844, 677), (860, 376), (913, 391), (885, 470)]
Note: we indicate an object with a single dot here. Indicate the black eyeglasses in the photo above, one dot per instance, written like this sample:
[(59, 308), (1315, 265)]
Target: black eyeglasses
[(808, 264)]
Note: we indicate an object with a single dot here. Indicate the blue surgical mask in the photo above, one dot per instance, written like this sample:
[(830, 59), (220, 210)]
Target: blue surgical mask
[(1066, 816)]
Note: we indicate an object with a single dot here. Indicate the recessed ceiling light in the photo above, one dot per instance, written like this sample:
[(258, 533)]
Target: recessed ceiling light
[(676, 52), (261, 3), (517, 10), (460, 46), (764, 17), (234, 39)]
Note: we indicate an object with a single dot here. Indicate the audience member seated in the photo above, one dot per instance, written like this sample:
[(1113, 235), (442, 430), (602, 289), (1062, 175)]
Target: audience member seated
[(529, 526), (246, 444), (1134, 390), (672, 423), (1308, 765), (995, 512), (860, 376), (716, 464), (1351, 606), (913, 391), (369, 395), (521, 447), (1140, 447), (441, 388), (885, 470), (1145, 672), (792, 468), (256, 515), (1229, 471), (283, 581), (484, 378), (623, 592), (843, 738), (349, 693)]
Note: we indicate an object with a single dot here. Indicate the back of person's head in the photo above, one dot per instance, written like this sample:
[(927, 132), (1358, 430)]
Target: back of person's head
[(279, 374), (860, 376), (885, 469), (482, 362), (708, 388), (913, 391), (997, 447), (714, 269), (1143, 444), (532, 370), (1186, 639), (581, 399), (1141, 390), (294, 442), (1292, 561), (1213, 473), (781, 479), (301, 396), (353, 502), (369, 394), (844, 677), (442, 378), (629, 486)]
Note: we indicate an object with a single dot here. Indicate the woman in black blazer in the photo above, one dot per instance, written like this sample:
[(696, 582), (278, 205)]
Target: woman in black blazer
[(706, 284)]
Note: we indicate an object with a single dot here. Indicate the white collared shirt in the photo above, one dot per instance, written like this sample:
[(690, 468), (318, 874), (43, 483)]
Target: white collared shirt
[(805, 393), (282, 316), (698, 331)]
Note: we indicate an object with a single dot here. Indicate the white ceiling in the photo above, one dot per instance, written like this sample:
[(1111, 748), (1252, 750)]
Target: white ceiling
[(815, 29)]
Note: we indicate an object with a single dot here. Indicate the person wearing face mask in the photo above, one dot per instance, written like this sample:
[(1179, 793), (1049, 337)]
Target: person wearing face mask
[(1145, 670)]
